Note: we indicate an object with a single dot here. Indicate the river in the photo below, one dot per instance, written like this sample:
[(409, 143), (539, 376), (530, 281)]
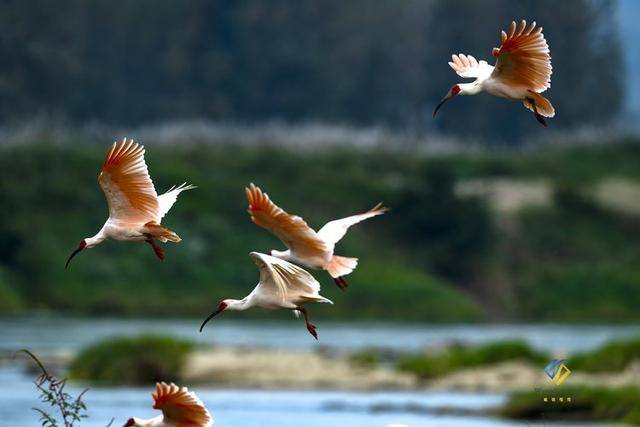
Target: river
[(253, 408)]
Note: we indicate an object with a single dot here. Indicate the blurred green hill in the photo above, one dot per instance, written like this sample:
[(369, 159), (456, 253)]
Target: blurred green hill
[(550, 235)]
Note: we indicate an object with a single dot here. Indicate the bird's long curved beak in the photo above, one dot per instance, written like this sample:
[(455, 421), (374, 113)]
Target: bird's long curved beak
[(211, 316), (442, 101), (81, 247)]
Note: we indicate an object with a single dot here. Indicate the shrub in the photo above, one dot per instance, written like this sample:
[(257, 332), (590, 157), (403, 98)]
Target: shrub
[(132, 360), (587, 404), (434, 365)]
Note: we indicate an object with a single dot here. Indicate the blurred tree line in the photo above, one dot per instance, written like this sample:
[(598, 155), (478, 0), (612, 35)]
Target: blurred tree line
[(354, 61)]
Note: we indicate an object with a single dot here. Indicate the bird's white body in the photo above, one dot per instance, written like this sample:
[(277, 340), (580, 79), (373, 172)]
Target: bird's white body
[(282, 285), (316, 262), (493, 86)]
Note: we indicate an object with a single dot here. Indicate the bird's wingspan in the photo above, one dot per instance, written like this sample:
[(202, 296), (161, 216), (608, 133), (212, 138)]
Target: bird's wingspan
[(292, 230), (166, 200), (286, 278), (523, 58), (127, 185), (335, 230), (180, 407), (468, 67)]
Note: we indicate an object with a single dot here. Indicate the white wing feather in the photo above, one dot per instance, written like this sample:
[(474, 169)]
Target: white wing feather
[(166, 200), (468, 67), (335, 230)]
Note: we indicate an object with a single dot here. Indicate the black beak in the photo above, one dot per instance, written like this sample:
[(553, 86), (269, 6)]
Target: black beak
[(442, 101), (211, 316), (72, 255)]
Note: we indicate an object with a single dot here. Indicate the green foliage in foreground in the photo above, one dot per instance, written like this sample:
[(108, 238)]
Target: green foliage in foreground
[(436, 256), (588, 404), (132, 360), (68, 411), (428, 366), (614, 356)]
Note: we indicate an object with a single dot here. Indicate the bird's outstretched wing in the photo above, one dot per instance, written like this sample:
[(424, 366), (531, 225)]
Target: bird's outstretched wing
[(166, 200), (523, 58), (180, 407), (127, 185), (292, 230), (286, 279), (335, 230), (468, 67)]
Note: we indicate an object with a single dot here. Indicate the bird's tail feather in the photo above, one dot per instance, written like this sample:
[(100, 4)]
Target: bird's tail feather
[(339, 266), (542, 105), (161, 233)]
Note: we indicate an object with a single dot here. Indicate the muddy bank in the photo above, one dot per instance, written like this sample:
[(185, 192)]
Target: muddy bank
[(280, 369), (289, 369)]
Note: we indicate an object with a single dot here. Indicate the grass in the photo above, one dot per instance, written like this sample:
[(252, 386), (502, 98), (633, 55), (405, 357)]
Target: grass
[(427, 366), (587, 404), (132, 360)]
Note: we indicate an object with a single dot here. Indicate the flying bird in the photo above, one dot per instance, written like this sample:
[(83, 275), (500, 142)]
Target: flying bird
[(282, 285), (307, 247), (135, 210), (521, 73), (180, 408)]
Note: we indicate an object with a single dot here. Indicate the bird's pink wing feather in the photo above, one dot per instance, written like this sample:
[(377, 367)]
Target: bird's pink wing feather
[(523, 58), (127, 185), (292, 230), (180, 407)]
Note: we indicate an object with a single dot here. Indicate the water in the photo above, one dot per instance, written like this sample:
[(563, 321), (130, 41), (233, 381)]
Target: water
[(258, 408), (249, 408), (44, 333)]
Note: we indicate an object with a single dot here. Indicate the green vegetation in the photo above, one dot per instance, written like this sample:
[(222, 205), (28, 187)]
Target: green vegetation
[(10, 301), (436, 256), (614, 356), (428, 366), (136, 360), (587, 404)]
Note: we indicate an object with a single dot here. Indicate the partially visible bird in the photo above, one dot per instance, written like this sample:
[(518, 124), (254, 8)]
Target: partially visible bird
[(135, 210), (282, 285), (522, 71), (305, 246), (179, 406)]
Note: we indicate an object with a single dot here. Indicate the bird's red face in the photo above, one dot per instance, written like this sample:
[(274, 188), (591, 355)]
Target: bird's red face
[(222, 306), (81, 246), (455, 89)]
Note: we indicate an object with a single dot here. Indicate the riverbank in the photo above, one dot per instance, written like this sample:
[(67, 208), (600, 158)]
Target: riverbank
[(241, 367)]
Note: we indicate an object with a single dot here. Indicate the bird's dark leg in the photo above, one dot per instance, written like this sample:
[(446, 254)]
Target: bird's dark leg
[(342, 284), (156, 247), (539, 117), (310, 326)]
